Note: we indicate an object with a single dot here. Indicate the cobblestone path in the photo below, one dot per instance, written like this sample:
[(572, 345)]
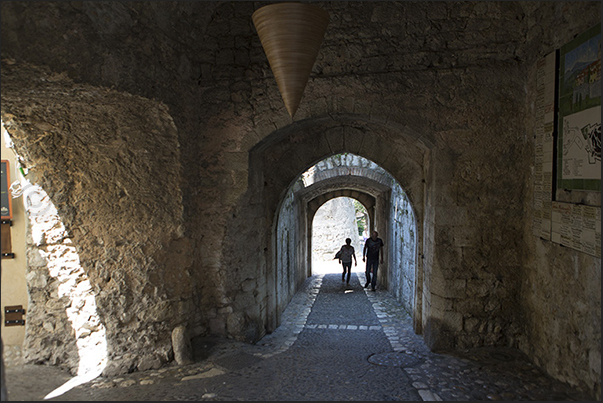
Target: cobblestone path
[(336, 342)]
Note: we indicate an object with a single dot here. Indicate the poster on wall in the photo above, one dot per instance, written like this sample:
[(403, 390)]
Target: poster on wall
[(579, 120), (7, 210)]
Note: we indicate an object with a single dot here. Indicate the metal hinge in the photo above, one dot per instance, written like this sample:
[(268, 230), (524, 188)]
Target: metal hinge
[(16, 322), (10, 309), (13, 315)]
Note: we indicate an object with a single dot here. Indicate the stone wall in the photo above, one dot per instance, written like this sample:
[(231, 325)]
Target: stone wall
[(110, 164), (560, 292), (402, 247), (64, 326), (289, 259)]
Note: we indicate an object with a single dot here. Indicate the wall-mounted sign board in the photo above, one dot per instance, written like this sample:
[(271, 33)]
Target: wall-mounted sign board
[(568, 115), (7, 207), (579, 120)]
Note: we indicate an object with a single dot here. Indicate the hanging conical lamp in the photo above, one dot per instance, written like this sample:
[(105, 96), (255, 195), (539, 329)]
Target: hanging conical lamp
[(291, 34)]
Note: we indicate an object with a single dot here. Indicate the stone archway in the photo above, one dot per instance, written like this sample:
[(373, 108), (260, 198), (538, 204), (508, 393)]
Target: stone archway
[(277, 162), (390, 212)]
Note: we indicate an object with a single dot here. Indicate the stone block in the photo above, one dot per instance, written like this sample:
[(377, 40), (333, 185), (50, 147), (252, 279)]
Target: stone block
[(454, 320), (450, 256), (471, 325), (451, 215), (181, 344), (36, 279), (248, 285), (474, 259), (439, 304), (235, 323), (116, 367), (471, 306), (225, 310), (149, 362), (36, 258), (478, 287), (469, 341), (335, 139), (236, 161), (447, 287), (594, 360), (464, 235), (217, 325)]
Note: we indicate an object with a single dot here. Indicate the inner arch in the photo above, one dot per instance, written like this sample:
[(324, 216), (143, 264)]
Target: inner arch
[(335, 222), (390, 213)]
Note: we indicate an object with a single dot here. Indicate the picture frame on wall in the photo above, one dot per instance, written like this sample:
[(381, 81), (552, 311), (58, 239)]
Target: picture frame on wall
[(6, 207), (579, 113)]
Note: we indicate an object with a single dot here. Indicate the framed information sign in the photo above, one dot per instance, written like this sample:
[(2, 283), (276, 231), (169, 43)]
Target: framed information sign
[(579, 120), (7, 206)]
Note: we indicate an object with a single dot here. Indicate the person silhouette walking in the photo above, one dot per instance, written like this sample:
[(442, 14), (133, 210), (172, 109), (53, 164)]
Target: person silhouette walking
[(345, 258), (373, 252)]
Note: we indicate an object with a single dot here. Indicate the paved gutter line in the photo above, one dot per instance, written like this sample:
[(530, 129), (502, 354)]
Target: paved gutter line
[(391, 333), (293, 320), (343, 327)]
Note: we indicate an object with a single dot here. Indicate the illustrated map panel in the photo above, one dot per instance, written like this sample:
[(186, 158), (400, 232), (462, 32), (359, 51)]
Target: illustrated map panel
[(572, 225), (579, 120)]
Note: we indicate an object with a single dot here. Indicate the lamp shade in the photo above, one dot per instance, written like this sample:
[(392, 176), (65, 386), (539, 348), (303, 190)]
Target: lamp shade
[(291, 34)]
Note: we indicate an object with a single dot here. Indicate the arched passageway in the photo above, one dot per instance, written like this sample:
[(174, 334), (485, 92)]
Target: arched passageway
[(390, 213), (281, 171)]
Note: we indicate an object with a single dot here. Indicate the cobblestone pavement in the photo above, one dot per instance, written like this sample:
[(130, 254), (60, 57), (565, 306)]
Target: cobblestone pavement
[(336, 342)]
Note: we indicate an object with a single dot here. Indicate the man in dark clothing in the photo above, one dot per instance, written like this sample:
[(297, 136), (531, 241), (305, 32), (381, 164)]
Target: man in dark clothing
[(347, 253), (373, 251)]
